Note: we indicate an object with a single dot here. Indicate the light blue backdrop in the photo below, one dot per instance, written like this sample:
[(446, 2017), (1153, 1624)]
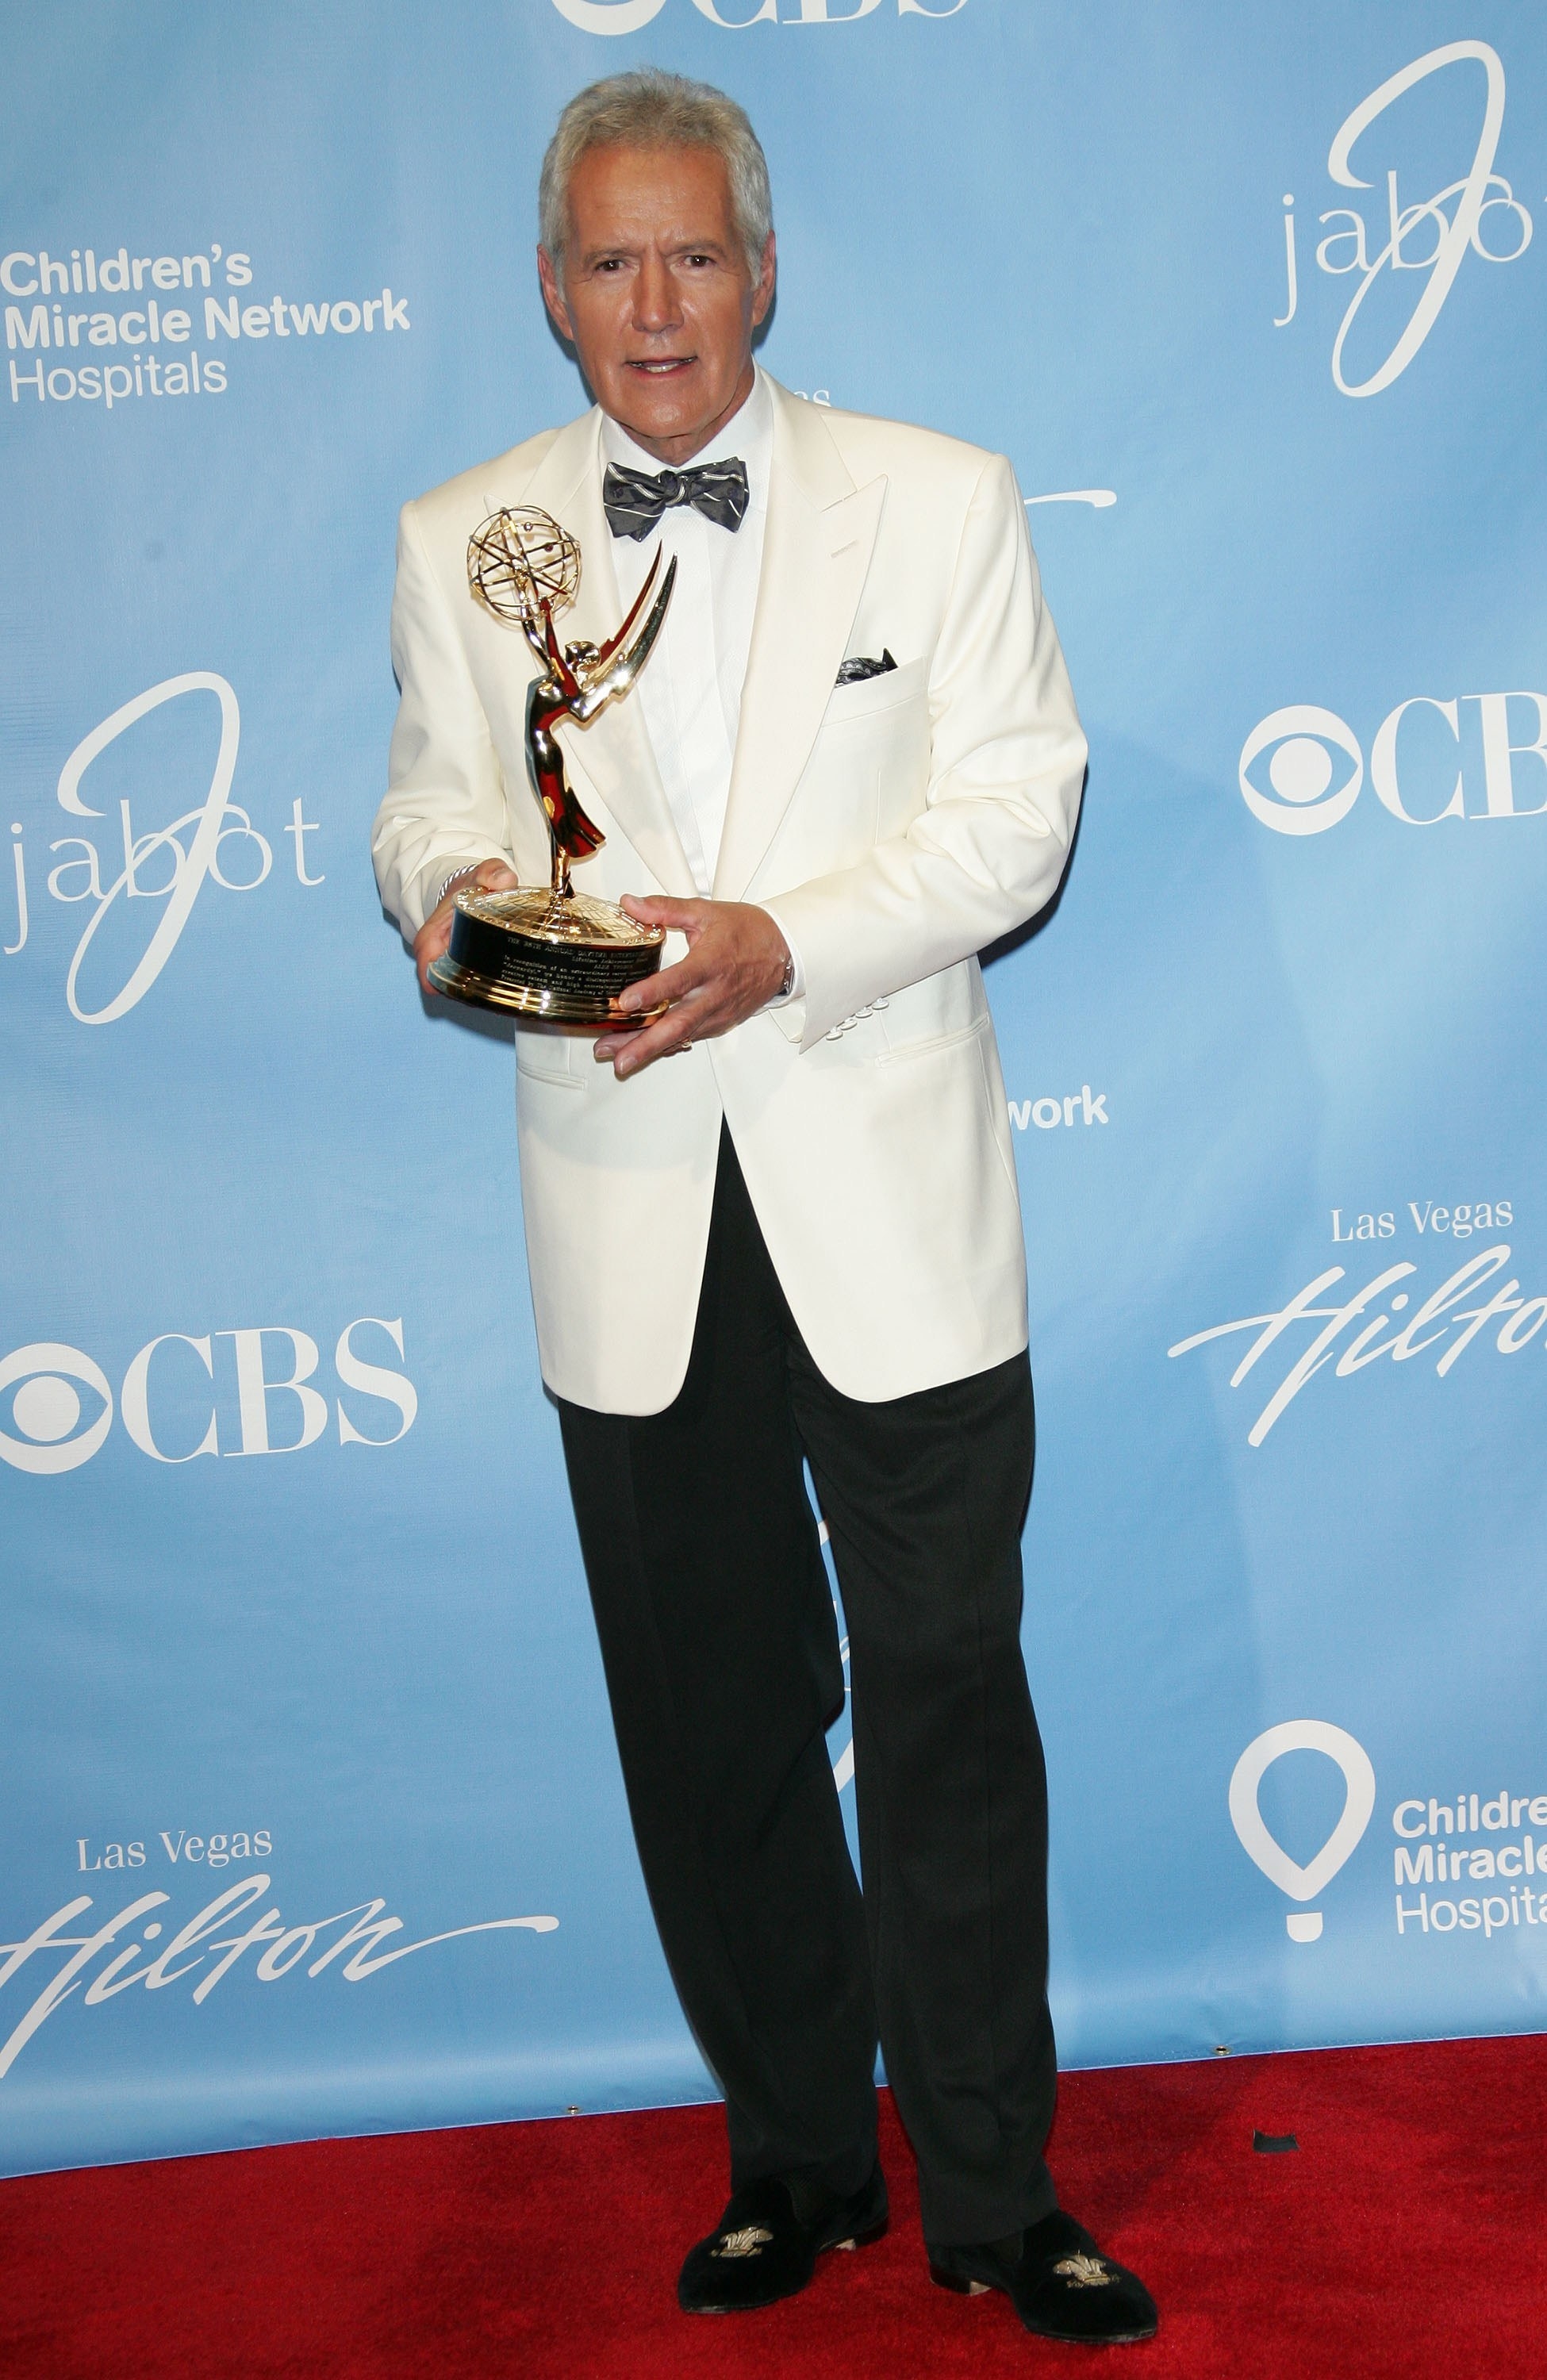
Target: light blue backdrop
[(1280, 1038)]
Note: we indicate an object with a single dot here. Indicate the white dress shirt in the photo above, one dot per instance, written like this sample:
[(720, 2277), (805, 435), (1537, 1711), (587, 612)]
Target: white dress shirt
[(689, 692)]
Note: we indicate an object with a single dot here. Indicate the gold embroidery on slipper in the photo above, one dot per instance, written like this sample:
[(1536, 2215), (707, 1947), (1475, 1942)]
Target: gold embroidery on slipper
[(749, 2242), (1085, 2272)]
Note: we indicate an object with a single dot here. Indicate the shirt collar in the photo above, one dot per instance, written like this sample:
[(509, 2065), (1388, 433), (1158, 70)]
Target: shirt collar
[(749, 434)]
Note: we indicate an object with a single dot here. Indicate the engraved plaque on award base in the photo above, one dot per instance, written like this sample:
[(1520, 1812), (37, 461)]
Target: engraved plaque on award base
[(530, 955)]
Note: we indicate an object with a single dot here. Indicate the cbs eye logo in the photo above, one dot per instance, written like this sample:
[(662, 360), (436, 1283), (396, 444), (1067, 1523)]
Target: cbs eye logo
[(1311, 776), (51, 1426), (1434, 761)]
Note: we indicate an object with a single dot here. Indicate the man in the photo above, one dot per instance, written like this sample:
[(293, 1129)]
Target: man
[(852, 761)]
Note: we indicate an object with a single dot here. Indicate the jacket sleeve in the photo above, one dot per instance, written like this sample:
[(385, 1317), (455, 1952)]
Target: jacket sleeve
[(1007, 768), (445, 808)]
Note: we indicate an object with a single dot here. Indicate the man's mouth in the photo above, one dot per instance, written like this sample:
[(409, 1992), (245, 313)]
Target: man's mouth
[(660, 367)]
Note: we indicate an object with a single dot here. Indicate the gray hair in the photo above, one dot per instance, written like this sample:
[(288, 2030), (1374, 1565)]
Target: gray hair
[(650, 109)]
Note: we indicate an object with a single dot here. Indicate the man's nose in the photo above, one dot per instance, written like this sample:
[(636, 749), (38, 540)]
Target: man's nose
[(655, 301)]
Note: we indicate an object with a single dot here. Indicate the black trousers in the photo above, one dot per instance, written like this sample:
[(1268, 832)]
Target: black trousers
[(723, 1664)]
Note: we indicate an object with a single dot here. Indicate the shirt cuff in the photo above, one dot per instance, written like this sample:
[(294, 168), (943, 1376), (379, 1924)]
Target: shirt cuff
[(797, 980), (434, 875)]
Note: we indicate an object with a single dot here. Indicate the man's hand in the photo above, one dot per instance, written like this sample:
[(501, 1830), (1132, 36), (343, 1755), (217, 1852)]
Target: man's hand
[(489, 875), (735, 966)]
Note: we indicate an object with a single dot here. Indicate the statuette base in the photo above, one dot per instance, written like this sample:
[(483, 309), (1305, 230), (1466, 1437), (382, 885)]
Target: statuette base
[(565, 958)]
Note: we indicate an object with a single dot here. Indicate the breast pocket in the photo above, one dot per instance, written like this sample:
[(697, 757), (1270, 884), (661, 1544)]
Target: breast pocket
[(865, 777), (868, 696), (875, 736)]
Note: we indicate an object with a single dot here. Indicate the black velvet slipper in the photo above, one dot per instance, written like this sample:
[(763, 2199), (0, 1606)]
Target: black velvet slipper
[(1058, 2281), (769, 2238)]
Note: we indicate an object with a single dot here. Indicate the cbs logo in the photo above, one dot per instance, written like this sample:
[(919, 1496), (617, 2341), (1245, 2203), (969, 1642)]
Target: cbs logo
[(225, 1392), (633, 16), (47, 1407), (1473, 755)]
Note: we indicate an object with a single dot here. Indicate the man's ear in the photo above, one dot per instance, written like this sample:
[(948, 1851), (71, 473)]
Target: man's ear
[(552, 294), (763, 297)]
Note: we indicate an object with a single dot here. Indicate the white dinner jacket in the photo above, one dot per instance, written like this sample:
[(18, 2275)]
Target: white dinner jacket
[(894, 826)]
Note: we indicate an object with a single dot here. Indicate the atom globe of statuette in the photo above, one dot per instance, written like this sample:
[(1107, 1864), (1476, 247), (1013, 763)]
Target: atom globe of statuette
[(520, 564), (550, 952)]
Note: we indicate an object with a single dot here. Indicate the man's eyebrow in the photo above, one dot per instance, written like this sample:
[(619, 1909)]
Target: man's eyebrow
[(685, 247)]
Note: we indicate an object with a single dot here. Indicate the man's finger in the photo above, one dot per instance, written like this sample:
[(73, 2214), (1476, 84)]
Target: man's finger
[(672, 983), (687, 1021), (705, 1012), (661, 910), (430, 942), (489, 875), (629, 1054)]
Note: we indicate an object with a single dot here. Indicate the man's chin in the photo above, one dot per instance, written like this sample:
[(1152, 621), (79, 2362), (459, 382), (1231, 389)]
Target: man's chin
[(654, 408)]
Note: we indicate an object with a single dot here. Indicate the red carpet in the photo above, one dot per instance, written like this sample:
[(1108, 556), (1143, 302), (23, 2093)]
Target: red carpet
[(1404, 2236)]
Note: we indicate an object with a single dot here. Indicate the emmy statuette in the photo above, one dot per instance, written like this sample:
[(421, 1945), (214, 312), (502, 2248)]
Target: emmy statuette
[(552, 953)]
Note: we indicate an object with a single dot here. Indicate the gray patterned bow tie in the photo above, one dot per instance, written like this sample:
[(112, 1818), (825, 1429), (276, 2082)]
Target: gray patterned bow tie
[(634, 501)]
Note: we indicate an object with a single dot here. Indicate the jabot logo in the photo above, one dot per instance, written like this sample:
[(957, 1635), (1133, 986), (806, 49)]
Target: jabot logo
[(1484, 216), (223, 846), (1301, 768), (50, 1429), (633, 16), (1359, 1777)]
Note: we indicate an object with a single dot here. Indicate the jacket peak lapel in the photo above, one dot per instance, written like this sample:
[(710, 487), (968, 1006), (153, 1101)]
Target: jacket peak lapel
[(820, 538)]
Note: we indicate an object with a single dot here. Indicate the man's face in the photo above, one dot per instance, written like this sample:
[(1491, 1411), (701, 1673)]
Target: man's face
[(656, 295)]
